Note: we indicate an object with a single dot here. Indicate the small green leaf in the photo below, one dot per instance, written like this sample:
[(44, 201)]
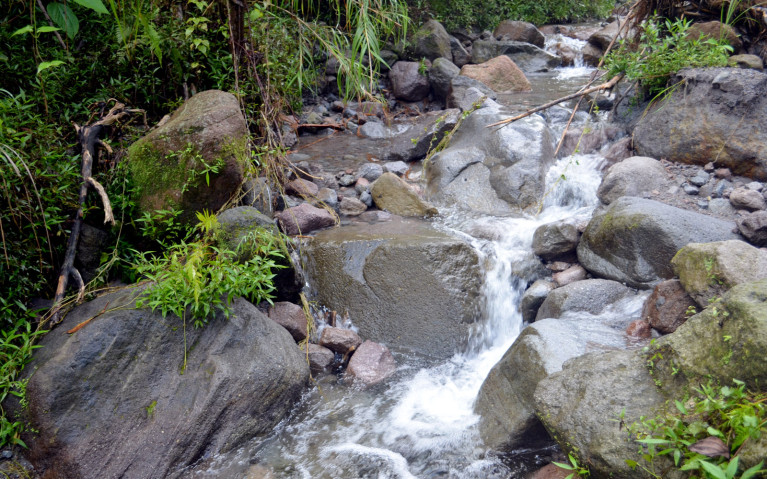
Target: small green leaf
[(46, 65), (752, 471), (715, 471), (680, 406), (95, 5), (47, 29), (23, 30)]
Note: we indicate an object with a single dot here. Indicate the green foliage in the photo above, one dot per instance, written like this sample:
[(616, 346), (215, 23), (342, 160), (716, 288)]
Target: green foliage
[(664, 49), (577, 469), (202, 277), (704, 435), (488, 14)]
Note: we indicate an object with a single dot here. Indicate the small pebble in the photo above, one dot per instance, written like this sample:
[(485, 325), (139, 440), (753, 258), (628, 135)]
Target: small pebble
[(702, 204), (690, 190), (723, 173), (700, 179)]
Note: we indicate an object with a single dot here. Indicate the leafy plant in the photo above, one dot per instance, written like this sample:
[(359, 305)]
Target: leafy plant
[(577, 469), (663, 49), (705, 435)]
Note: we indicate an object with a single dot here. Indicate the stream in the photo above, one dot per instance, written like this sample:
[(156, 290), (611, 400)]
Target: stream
[(420, 423)]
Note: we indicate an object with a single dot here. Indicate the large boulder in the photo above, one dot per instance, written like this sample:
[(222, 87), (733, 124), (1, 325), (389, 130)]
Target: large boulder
[(402, 282), (441, 73), (519, 32), (409, 81), (635, 176), (634, 239), (556, 240), (195, 160), (500, 74), (753, 227), (391, 193), (465, 93), (505, 402), (133, 394), (432, 41), (527, 57), (304, 218), (716, 114), (707, 270), (492, 170), (588, 296)]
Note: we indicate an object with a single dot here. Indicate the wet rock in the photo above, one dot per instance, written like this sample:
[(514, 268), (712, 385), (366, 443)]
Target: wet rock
[(700, 178), (399, 168), (363, 184), (291, 317), (721, 207), (370, 364), (591, 296), (533, 298), (442, 71), (257, 193), (164, 165), (229, 392), (745, 199), (500, 74), (339, 340), (570, 275), (667, 307), (519, 32), (551, 471), (526, 56), (407, 81), (702, 116), (592, 54), (300, 187), (328, 196), (639, 329), (467, 94), (604, 36), (379, 273), (392, 193), (620, 150), (320, 358), (460, 55), (753, 227), (304, 219), (557, 240), (351, 207), (432, 41), (589, 141), (707, 270), (635, 176), (634, 239), (370, 171)]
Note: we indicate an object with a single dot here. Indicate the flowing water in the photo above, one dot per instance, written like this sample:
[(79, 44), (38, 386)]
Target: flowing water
[(420, 423)]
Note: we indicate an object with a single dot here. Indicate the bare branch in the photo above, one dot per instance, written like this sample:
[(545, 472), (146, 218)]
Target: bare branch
[(108, 216)]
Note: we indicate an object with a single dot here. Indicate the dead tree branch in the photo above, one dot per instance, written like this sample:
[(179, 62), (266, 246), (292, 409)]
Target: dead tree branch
[(88, 137)]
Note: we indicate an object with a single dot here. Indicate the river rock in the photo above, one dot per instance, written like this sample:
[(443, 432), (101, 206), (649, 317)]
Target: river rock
[(351, 206), (634, 239), (339, 340), (519, 32), (589, 141), (639, 329), (301, 187), (557, 240), (370, 364), (113, 399), (442, 71), (716, 114), (320, 358), (635, 176), (257, 192), (291, 317), (467, 94), (401, 281), (399, 168), (392, 193), (407, 81), (707, 270), (505, 402), (667, 307), (237, 223), (533, 298), (602, 38), (168, 165), (746, 199), (746, 61), (570, 275), (492, 171), (432, 41), (581, 406), (370, 171), (753, 227), (591, 296), (460, 55), (500, 74), (717, 31), (303, 219), (527, 57)]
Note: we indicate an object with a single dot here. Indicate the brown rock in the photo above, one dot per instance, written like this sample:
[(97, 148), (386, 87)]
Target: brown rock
[(716, 30), (351, 207), (500, 74), (753, 226), (570, 275), (745, 199), (370, 364), (303, 219), (300, 187), (639, 329), (393, 194), (320, 358), (519, 32), (550, 471), (666, 308), (340, 340), (724, 173), (291, 317), (407, 81), (591, 54)]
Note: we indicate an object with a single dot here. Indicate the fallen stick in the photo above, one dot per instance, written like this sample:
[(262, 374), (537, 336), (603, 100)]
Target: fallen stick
[(604, 86)]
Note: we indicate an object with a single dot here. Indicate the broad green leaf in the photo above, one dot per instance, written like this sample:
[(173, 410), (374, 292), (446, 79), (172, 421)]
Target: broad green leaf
[(714, 471), (732, 468), (752, 472), (46, 65), (23, 30), (95, 5), (680, 406), (64, 17)]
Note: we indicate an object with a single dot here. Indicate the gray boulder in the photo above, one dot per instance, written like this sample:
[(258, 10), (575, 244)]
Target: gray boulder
[(529, 58), (432, 41), (707, 270), (519, 32), (492, 171), (168, 165), (590, 296), (115, 400), (291, 317), (715, 115), (460, 56), (634, 239), (588, 140), (556, 240), (257, 192), (407, 81), (753, 227), (533, 298), (746, 199), (466, 92), (635, 176), (441, 73), (379, 273)]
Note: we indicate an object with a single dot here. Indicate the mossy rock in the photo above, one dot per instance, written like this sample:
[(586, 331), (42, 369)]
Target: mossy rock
[(195, 161)]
